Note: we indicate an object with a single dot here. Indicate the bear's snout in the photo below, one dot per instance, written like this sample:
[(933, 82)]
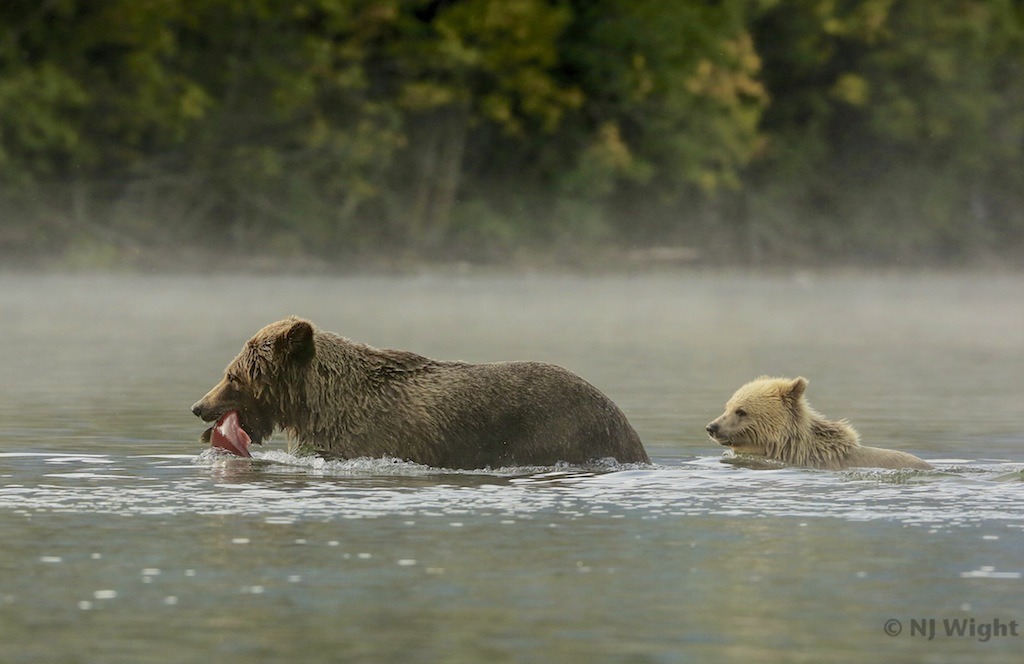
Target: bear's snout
[(712, 428), (202, 411)]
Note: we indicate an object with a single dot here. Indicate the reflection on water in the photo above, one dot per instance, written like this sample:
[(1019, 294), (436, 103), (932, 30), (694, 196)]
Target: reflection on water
[(124, 541)]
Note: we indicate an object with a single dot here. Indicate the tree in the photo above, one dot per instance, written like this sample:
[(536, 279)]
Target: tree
[(459, 71), (90, 85), (673, 101), (887, 120)]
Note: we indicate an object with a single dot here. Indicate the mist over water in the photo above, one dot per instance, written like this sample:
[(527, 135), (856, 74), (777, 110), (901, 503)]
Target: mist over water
[(125, 540)]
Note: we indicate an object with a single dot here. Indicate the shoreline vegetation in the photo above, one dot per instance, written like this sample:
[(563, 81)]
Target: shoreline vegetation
[(566, 135), (593, 262)]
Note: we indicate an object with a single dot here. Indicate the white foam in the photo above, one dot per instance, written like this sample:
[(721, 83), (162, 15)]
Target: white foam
[(371, 488), (989, 573)]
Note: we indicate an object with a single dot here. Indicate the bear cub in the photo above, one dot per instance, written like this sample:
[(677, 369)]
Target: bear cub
[(771, 418)]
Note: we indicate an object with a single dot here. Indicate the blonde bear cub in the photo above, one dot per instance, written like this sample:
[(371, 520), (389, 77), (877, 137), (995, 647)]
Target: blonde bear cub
[(769, 417)]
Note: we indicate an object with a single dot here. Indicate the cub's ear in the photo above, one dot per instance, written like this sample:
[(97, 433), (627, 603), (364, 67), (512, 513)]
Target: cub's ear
[(796, 388), (297, 341)]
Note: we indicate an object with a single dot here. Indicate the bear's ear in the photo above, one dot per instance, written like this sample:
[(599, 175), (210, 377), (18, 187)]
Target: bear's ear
[(297, 342), (795, 390)]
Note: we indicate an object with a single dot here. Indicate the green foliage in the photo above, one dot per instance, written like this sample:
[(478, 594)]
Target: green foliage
[(758, 130), (671, 94), (37, 137), (895, 130)]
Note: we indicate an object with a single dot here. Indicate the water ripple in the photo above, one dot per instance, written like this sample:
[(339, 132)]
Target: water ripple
[(279, 486)]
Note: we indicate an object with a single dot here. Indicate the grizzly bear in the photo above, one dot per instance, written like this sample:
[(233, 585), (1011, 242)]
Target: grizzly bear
[(770, 417), (340, 399)]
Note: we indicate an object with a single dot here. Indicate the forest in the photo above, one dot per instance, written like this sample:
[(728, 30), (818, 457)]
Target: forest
[(379, 133)]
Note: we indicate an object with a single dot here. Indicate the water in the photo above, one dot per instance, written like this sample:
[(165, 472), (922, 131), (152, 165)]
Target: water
[(123, 540)]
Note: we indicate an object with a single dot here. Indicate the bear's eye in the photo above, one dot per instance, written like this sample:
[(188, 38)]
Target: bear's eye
[(740, 412)]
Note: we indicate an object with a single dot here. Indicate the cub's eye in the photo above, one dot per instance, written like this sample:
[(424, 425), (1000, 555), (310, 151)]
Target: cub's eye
[(740, 412)]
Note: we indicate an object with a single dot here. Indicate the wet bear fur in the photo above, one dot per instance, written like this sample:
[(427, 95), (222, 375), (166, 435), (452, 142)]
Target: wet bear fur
[(770, 417), (341, 399)]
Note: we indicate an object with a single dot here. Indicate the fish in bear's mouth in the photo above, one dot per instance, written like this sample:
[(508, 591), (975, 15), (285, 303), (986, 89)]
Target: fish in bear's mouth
[(227, 434)]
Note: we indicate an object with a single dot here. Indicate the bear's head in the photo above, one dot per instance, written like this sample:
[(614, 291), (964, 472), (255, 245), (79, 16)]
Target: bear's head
[(761, 416), (256, 389)]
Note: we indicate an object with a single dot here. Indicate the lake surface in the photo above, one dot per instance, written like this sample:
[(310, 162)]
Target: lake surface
[(124, 540)]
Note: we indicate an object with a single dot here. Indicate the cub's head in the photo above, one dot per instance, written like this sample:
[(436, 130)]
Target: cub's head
[(761, 416), (256, 384)]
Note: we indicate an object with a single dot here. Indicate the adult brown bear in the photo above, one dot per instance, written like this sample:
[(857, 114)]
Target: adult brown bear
[(341, 399)]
